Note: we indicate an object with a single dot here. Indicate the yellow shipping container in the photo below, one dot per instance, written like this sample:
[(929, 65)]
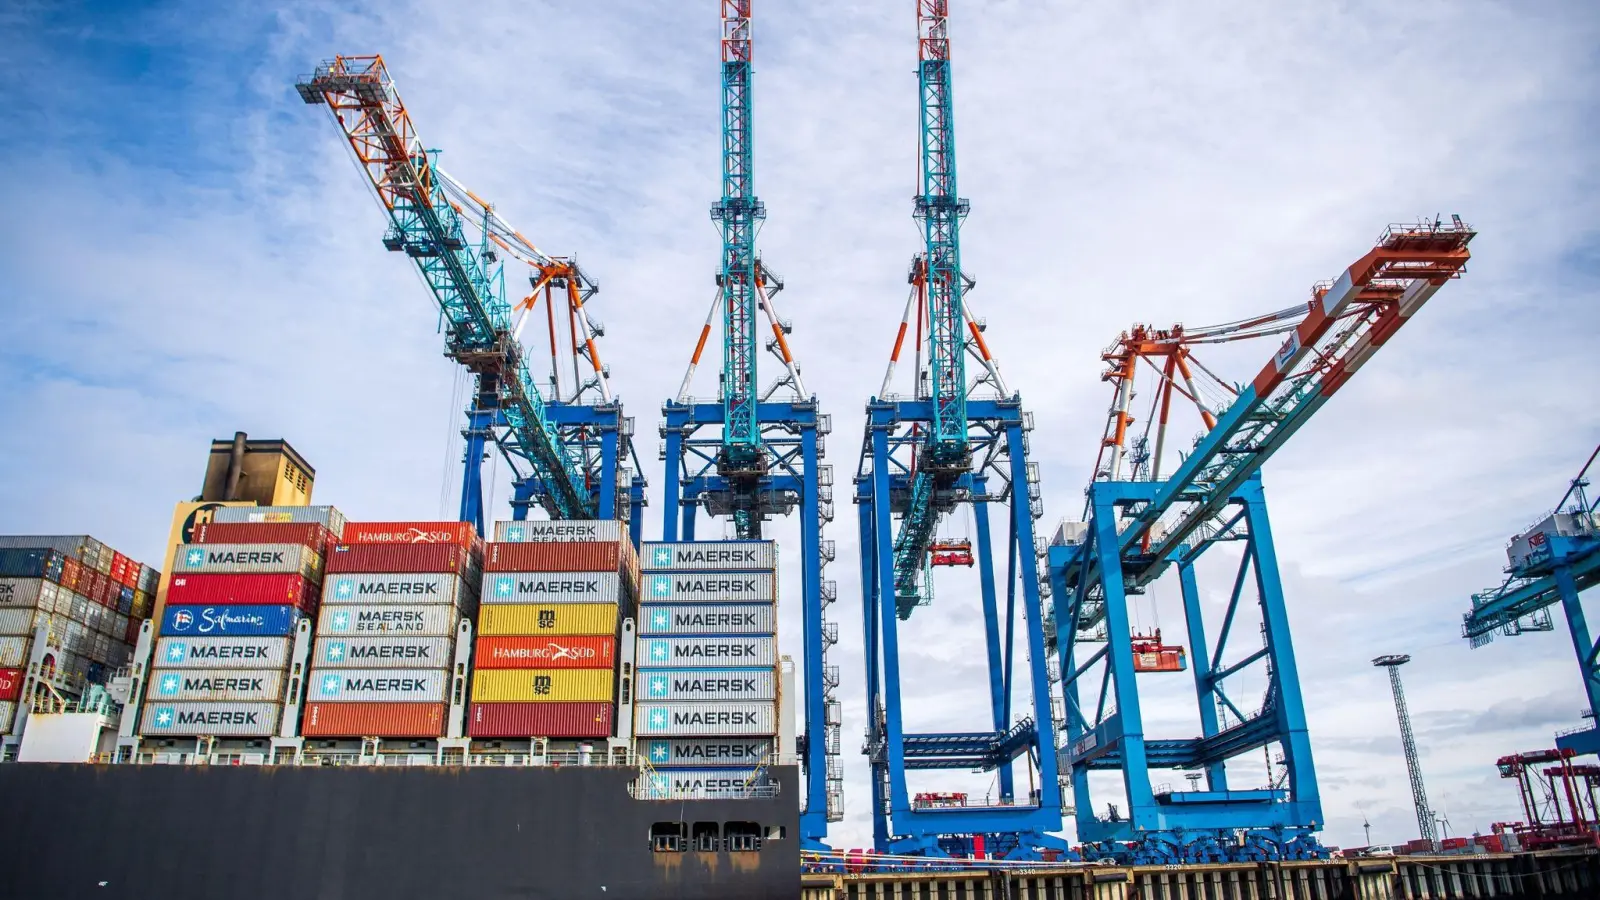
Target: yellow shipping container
[(547, 618), (521, 685)]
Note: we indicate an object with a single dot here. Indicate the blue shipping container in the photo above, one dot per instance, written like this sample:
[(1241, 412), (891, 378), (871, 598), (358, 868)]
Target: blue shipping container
[(233, 621), (30, 563)]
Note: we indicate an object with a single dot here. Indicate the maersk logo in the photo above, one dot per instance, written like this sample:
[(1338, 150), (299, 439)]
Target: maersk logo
[(335, 652), (514, 534), (194, 557), (659, 619), (661, 585), (658, 718), (658, 686), (339, 621), (331, 686), (505, 587), (163, 717), (344, 589), (659, 651), (663, 556), (169, 684), (660, 751), (659, 783), (177, 652)]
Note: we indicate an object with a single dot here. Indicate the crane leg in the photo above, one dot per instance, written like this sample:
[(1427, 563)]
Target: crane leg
[(991, 625)]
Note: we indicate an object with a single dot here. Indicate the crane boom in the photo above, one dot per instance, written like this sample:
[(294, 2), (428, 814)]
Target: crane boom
[(428, 227), (737, 213)]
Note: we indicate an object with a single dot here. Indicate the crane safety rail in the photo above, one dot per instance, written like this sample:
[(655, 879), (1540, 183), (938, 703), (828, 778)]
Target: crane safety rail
[(429, 227)]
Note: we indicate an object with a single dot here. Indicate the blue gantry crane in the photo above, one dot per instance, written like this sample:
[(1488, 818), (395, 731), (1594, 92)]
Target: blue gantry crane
[(951, 445), (571, 452), (1552, 562), (755, 454), (1140, 524)]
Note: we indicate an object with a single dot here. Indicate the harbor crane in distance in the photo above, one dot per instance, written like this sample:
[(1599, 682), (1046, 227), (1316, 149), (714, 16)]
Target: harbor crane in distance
[(570, 451), (1140, 522), (951, 444), (1552, 562), (755, 454)]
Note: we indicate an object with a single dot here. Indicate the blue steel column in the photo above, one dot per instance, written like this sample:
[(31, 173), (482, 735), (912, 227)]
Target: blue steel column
[(1200, 661), (894, 735), (1067, 649), (1022, 519), (1293, 736), (673, 489), (814, 818), (870, 601), (1579, 628), (991, 624), (1119, 656), (607, 508), (636, 511), (479, 420)]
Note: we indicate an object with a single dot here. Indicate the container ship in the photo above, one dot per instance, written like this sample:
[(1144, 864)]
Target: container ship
[(303, 705)]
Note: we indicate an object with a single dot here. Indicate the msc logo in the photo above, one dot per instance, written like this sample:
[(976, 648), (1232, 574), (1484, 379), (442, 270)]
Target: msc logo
[(177, 652), (659, 651), (330, 685), (541, 684), (663, 556), (182, 619), (547, 618), (661, 585), (335, 651)]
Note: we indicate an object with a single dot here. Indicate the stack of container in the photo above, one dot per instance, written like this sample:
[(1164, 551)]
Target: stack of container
[(554, 597), (92, 599), (235, 598), (393, 601), (707, 680)]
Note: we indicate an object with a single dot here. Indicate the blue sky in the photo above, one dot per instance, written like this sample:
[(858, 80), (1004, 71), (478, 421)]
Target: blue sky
[(190, 252)]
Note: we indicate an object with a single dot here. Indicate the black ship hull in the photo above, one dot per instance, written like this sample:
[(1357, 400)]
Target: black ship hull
[(159, 832)]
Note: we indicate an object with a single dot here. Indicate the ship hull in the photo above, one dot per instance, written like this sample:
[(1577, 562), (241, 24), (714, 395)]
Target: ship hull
[(167, 832)]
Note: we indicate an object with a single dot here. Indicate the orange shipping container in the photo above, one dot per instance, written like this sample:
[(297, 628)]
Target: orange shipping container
[(576, 652), (415, 720), (575, 556)]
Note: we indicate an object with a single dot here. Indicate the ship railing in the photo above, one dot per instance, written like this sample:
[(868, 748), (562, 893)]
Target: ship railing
[(597, 757), (649, 788)]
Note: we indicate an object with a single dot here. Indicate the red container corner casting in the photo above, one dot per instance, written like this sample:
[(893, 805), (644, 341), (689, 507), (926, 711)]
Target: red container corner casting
[(413, 720), (551, 720), (242, 590), (357, 559)]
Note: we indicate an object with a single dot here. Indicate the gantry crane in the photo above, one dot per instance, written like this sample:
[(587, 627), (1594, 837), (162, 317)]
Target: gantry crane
[(1552, 562), (952, 444), (1140, 522), (757, 454), (570, 451)]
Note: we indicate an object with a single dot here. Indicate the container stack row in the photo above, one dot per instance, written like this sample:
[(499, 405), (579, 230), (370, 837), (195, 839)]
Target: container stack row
[(707, 682), (237, 594), (393, 602), (91, 598), (554, 597)]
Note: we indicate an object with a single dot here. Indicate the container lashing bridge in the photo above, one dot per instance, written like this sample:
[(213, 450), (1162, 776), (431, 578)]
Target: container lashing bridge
[(1553, 562), (569, 448), (753, 455), (1140, 522), (951, 444)]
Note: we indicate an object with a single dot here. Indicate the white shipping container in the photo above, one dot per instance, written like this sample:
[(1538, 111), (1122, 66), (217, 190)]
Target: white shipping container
[(705, 784), (8, 716), (239, 685), (250, 559), (408, 652), (711, 587), (393, 619), (211, 719), (552, 587), (707, 651), (706, 752), (327, 516), (22, 621), (415, 589), (707, 618), (709, 556), (18, 593), (531, 532), (686, 719), (379, 685), (14, 652), (222, 652), (706, 684)]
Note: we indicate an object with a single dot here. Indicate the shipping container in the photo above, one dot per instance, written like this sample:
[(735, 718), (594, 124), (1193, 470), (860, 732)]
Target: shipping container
[(242, 590), (215, 684), (405, 558), (230, 621), (11, 682), (252, 559), (611, 556), (308, 534), (132, 634), (149, 579), (550, 720), (18, 593), (210, 719), (8, 716), (222, 652), (707, 619), (705, 784), (81, 547), (706, 684), (390, 619), (583, 531), (398, 588), (548, 618), (709, 556), (379, 685), (461, 533), (710, 587), (71, 572), (326, 516), (707, 651), (394, 652), (557, 685), (688, 719), (31, 563), (554, 587), (707, 752), (387, 720), (14, 652), (553, 652)]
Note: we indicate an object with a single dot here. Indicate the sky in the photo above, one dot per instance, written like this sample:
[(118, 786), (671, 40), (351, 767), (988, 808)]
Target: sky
[(191, 252)]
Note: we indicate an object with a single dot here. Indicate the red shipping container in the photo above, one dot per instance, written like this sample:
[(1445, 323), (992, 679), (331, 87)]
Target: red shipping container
[(242, 590), (448, 559), (552, 720), (103, 590), (132, 634), (71, 572), (10, 684), (556, 557), (409, 720), (462, 533), (306, 534), (576, 652)]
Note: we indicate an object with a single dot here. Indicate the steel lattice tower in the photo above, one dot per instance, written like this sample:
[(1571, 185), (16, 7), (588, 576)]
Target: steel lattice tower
[(1419, 794)]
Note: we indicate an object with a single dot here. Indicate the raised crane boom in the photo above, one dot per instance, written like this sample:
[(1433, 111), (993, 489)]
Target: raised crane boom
[(428, 227)]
